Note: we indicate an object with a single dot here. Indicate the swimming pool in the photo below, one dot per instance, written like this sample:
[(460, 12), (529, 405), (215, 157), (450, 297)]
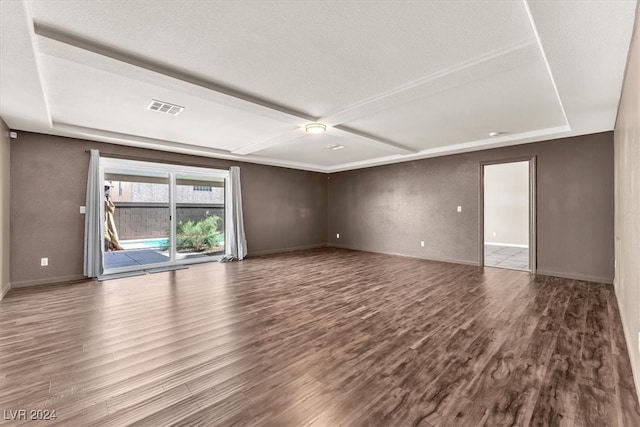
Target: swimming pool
[(154, 243)]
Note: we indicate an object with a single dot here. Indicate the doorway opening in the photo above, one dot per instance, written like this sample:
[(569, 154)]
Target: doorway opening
[(507, 220)]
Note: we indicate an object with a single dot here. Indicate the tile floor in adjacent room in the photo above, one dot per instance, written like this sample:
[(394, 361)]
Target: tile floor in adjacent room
[(509, 257)]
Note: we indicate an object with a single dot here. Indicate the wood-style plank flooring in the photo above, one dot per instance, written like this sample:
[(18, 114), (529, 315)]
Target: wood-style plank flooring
[(325, 337)]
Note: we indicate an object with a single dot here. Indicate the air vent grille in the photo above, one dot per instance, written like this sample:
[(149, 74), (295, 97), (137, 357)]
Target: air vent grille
[(165, 107)]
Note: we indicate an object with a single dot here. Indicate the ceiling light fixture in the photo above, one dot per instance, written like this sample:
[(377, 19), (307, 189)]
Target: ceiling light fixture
[(494, 134), (315, 128)]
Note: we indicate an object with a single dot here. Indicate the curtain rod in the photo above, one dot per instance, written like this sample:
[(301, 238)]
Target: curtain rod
[(152, 160)]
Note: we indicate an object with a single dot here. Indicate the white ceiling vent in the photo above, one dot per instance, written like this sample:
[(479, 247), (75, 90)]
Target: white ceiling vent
[(165, 107)]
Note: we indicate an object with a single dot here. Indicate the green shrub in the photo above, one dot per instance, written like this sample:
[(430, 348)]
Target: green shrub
[(199, 235)]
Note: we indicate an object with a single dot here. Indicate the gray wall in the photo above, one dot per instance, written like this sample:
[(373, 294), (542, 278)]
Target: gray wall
[(384, 209), (5, 157), (284, 209), (391, 208), (627, 195)]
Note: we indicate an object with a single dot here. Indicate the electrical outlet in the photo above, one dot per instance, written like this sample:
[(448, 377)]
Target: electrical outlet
[(422, 243), (44, 262), (459, 208), (338, 236), (494, 234)]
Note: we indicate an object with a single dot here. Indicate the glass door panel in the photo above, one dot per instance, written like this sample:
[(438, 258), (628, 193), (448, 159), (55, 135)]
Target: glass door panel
[(137, 219), (200, 216)]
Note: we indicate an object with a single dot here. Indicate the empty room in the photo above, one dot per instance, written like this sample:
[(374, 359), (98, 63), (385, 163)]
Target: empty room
[(320, 213)]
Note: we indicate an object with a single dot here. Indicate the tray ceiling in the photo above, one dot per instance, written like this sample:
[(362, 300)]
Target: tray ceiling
[(394, 81)]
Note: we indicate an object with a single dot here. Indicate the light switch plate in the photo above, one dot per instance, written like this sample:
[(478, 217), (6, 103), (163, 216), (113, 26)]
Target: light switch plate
[(459, 208), (83, 209)]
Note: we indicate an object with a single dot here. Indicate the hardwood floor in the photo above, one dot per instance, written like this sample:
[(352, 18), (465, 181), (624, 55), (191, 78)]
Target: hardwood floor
[(324, 337)]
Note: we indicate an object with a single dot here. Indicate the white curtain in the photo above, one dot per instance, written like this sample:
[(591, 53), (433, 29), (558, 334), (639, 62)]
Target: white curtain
[(92, 219), (235, 228)]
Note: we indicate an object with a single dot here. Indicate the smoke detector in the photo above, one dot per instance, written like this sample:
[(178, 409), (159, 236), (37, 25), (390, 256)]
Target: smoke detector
[(165, 107)]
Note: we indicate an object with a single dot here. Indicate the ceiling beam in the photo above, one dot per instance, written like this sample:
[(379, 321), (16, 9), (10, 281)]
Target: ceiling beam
[(222, 94), (465, 147), (341, 131), (98, 48), (390, 145), (270, 142), (74, 131), (475, 69)]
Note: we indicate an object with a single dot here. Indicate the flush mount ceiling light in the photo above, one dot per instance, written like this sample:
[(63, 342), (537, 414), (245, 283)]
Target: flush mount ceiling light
[(494, 134), (165, 107), (315, 128)]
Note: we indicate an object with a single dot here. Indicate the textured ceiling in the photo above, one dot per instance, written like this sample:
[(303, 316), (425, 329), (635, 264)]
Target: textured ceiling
[(394, 80)]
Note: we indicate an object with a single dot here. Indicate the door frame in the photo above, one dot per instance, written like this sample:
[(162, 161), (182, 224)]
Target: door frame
[(172, 171), (532, 207)]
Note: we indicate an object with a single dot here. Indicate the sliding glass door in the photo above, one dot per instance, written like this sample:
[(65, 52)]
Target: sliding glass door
[(200, 216), (137, 218), (159, 215)]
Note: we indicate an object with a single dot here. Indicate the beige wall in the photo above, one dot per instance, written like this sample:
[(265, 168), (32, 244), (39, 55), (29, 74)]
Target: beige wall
[(284, 209), (627, 204), (5, 156), (390, 208), (506, 203)]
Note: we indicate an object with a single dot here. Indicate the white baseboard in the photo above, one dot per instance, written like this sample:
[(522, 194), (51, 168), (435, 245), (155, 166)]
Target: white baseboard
[(449, 260), (583, 277), (4, 290), (50, 281), (511, 245), (635, 369), (285, 250)]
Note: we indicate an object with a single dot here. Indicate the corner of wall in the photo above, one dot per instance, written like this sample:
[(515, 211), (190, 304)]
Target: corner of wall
[(6, 287), (635, 368), (626, 233), (5, 164)]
